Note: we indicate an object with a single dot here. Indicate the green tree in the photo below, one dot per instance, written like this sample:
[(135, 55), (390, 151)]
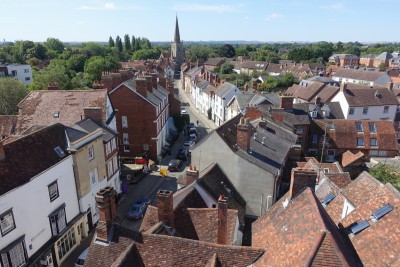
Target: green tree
[(11, 93), (386, 174), (146, 54), (127, 43), (226, 50), (111, 42), (54, 44), (118, 43), (133, 44), (199, 52), (55, 72), (94, 66), (95, 49), (38, 51), (226, 68), (382, 66), (23, 47), (76, 63)]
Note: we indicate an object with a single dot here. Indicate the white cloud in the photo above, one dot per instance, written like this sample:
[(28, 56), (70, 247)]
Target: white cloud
[(106, 6), (207, 8), (274, 16)]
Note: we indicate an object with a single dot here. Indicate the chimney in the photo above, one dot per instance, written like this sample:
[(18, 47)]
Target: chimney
[(317, 100), (300, 179), (141, 86), (165, 206), (254, 85), (52, 86), (286, 102), (163, 82), (191, 174), (94, 113), (170, 87), (222, 230), (154, 80), (243, 134), (343, 87), (105, 200), (149, 83), (277, 114)]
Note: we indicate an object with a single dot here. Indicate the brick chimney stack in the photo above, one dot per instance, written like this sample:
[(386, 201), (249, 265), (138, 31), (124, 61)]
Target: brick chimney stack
[(243, 134), (277, 114), (163, 82), (94, 113), (165, 206), (52, 86), (149, 83), (105, 200), (141, 86), (301, 178), (191, 174), (222, 230), (154, 80), (317, 100), (2, 152), (286, 102), (343, 87)]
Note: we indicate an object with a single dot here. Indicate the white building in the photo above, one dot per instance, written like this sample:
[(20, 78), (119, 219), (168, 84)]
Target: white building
[(366, 103), (223, 95), (23, 73)]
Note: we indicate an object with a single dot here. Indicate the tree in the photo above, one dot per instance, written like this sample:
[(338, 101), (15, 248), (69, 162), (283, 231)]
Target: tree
[(111, 42), (133, 44), (118, 43), (11, 93), (226, 68), (127, 43), (37, 51), (95, 49), (382, 66), (54, 44), (199, 52), (55, 72), (226, 50), (94, 66), (386, 174), (146, 54)]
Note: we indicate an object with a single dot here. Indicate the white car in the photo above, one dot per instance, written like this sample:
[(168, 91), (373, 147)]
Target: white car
[(184, 111), (81, 259)]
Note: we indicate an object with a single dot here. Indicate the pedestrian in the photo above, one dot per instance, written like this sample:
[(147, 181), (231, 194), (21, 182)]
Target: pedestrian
[(197, 123)]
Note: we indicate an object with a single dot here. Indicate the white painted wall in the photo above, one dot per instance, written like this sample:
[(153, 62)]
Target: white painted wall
[(109, 110), (31, 205), (24, 72)]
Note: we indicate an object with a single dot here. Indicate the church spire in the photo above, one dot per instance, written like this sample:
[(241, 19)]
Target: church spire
[(177, 38)]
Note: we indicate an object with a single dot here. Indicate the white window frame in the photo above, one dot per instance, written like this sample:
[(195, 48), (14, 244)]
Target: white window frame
[(376, 142), (113, 144), (58, 221), (365, 111), (115, 164), (93, 177), (359, 127), (351, 111), (372, 127), (108, 148), (124, 121), (16, 256), (53, 191), (91, 152), (385, 109), (7, 222), (363, 142), (125, 138)]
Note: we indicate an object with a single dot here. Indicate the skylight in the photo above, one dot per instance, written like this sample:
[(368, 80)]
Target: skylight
[(59, 151), (328, 198), (56, 114), (379, 213), (359, 226)]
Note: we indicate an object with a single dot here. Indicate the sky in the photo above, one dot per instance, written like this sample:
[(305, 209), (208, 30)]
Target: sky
[(202, 20)]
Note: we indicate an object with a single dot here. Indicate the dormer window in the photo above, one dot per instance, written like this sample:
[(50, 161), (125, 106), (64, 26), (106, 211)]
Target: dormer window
[(331, 126), (325, 113), (56, 114), (386, 109)]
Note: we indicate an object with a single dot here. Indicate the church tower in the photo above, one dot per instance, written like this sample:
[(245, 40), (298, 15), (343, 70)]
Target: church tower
[(177, 51)]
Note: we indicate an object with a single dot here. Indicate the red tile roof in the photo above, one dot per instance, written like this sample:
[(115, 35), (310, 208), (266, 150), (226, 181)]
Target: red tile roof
[(370, 97), (7, 125), (294, 232)]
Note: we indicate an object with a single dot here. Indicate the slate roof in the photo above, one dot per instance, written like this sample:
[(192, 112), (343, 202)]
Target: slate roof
[(345, 134), (335, 111), (225, 88), (15, 170), (90, 126), (300, 234), (38, 107), (379, 244), (256, 65), (370, 97), (309, 90), (384, 56), (216, 183), (215, 61), (270, 155), (364, 75), (75, 134)]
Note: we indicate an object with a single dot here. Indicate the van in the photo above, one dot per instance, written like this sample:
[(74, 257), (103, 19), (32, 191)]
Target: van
[(81, 259)]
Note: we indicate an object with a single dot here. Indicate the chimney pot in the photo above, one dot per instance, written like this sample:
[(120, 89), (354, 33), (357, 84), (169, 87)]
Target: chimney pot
[(165, 207), (222, 230), (191, 175), (105, 200), (301, 178), (343, 87)]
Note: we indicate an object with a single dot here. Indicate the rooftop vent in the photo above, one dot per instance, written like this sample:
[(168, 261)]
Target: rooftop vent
[(382, 211), (359, 226), (255, 136), (328, 198), (56, 114), (377, 94), (263, 140), (59, 151)]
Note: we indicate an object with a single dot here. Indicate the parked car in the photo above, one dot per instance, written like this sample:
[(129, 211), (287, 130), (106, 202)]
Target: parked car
[(188, 144), (191, 125), (138, 209), (193, 138), (193, 130), (183, 154), (174, 165), (183, 111), (80, 261)]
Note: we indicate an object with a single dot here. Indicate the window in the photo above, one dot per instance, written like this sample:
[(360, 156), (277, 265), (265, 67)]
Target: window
[(124, 121), (15, 256), (359, 127), (115, 163), (314, 139), (110, 169), (360, 141), (91, 152), (331, 126), (108, 148), (113, 144), (26, 70), (314, 114), (56, 114), (365, 110), (300, 130), (66, 243), (27, 78), (126, 148), (53, 191), (385, 109), (58, 221), (372, 127), (326, 170), (373, 142), (93, 177), (7, 223), (125, 137)]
